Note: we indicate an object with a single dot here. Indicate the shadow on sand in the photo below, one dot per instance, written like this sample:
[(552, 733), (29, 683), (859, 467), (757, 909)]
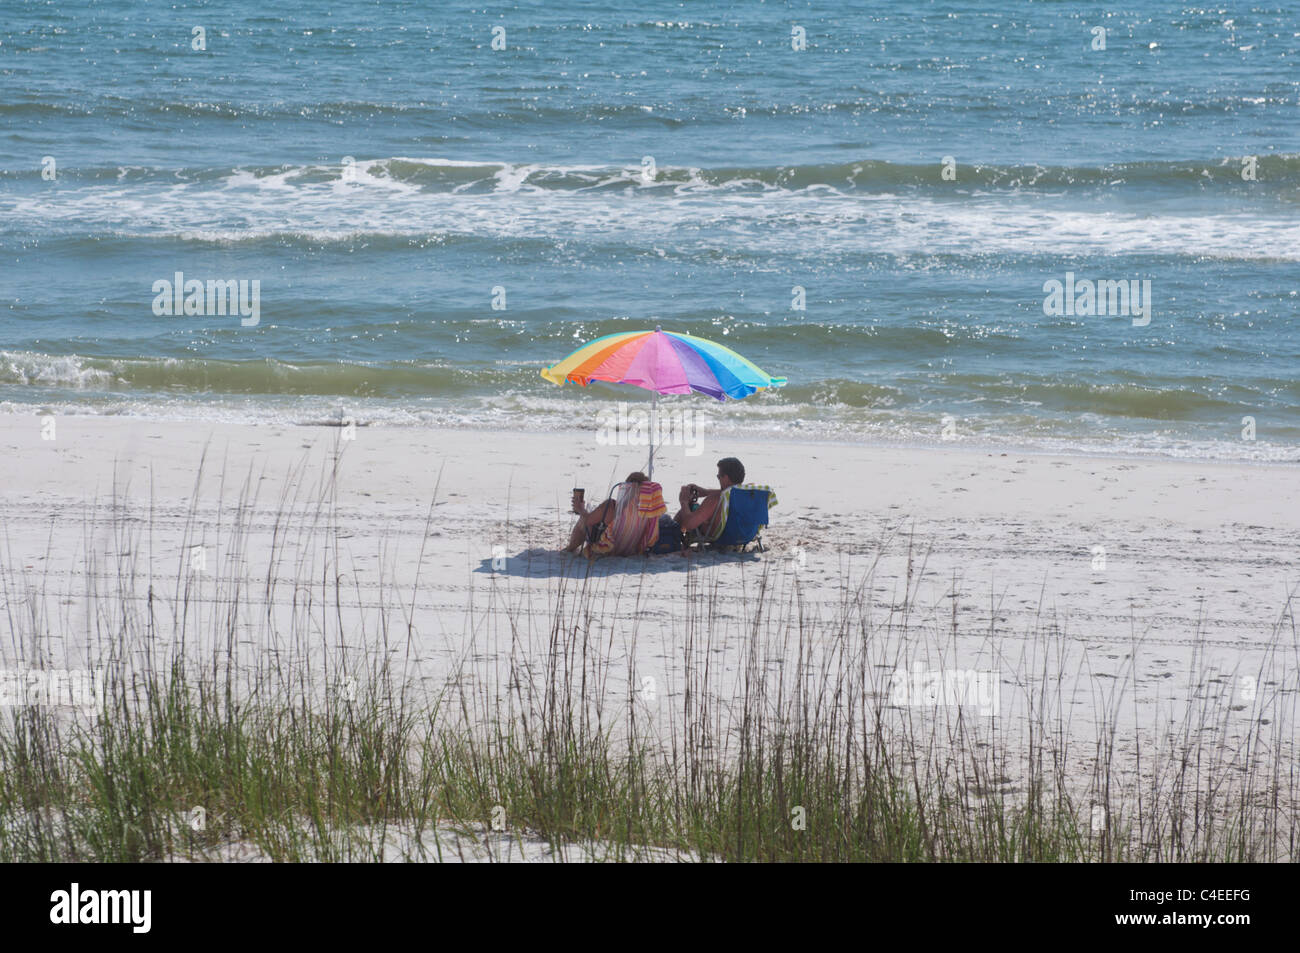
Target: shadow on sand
[(548, 564)]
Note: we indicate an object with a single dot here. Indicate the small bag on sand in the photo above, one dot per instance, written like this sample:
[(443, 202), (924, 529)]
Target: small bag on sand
[(670, 537)]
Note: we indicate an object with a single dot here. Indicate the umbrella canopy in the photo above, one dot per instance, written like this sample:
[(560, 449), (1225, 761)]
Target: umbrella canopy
[(663, 362)]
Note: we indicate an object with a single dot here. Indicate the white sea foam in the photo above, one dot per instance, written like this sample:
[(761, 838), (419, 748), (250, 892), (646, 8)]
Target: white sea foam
[(680, 209), (747, 420), (29, 368)]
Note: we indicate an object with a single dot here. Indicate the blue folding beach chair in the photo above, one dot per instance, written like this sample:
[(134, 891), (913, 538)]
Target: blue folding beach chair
[(744, 515)]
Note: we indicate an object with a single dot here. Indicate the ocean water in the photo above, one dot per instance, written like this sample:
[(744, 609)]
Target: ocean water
[(386, 177)]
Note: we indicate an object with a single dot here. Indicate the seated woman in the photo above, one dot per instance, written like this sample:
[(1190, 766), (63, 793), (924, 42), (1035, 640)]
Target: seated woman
[(626, 524)]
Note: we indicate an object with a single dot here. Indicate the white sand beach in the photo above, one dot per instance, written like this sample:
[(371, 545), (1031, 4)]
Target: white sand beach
[(440, 550), (1009, 537)]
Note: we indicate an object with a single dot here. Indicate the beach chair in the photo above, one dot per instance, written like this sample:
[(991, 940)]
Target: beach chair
[(740, 519), (635, 526)]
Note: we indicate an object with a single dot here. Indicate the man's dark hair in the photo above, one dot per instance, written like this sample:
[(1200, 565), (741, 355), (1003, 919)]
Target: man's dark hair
[(732, 469)]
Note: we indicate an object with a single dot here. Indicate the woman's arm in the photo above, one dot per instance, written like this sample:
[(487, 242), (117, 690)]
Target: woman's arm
[(597, 515)]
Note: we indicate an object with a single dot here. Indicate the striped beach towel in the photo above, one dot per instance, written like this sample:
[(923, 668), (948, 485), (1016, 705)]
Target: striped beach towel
[(635, 526)]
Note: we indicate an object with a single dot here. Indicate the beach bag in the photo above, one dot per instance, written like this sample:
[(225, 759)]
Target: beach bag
[(670, 537)]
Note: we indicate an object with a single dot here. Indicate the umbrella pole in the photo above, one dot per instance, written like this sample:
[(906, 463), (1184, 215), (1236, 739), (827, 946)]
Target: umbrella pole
[(654, 431), (654, 422)]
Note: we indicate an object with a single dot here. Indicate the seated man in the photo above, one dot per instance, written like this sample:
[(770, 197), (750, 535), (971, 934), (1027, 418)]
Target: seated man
[(699, 508), (698, 517)]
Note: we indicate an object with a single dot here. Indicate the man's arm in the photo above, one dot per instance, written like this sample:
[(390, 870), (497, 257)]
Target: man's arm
[(689, 519), (703, 492)]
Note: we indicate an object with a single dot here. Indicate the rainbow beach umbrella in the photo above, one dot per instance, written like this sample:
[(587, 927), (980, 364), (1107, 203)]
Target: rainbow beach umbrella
[(663, 362)]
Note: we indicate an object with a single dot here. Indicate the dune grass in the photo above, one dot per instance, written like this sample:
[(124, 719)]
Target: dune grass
[(302, 725)]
